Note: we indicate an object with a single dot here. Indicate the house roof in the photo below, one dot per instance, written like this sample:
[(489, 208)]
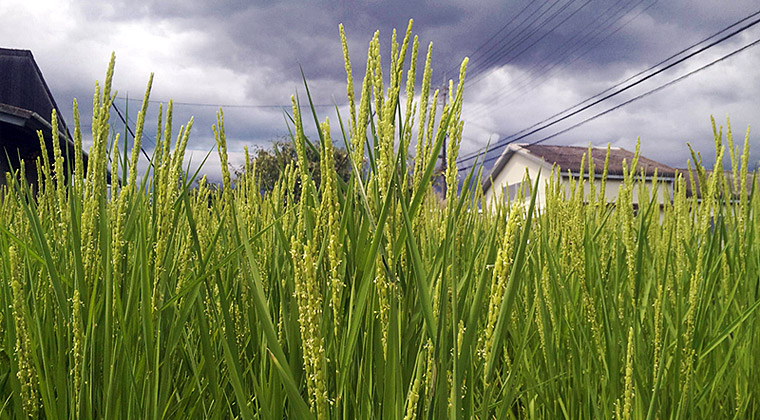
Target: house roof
[(23, 85), (569, 158), (19, 123), (26, 106)]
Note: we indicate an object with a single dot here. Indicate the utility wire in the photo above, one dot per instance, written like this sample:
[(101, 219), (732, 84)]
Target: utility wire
[(480, 76), (570, 47), (474, 55), (126, 124), (145, 138), (495, 96), (523, 37), (644, 71), (118, 112), (643, 95), (509, 39), (519, 33), (252, 106), (539, 127), (566, 64)]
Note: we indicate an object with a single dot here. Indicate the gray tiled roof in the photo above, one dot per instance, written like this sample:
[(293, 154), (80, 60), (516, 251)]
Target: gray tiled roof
[(569, 158)]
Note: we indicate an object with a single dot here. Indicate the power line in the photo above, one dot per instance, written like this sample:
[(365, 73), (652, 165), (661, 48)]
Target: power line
[(146, 138), (474, 55), (643, 95), (251, 106), (519, 28), (592, 38), (496, 95), (649, 69), (532, 129), (570, 47), (480, 76), (520, 39), (126, 124), (118, 112)]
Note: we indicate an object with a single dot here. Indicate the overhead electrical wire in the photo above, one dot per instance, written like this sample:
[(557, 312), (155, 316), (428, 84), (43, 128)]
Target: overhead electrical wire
[(521, 35), (541, 125), (251, 106), (634, 99), (565, 64), (474, 55), (129, 121), (530, 75), (514, 33), (582, 46), (504, 53), (121, 117)]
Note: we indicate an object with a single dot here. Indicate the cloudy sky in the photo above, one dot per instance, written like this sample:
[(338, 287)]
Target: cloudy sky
[(529, 61)]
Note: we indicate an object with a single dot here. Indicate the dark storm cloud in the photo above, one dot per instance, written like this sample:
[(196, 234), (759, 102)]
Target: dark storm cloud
[(252, 53), (281, 35), (665, 121)]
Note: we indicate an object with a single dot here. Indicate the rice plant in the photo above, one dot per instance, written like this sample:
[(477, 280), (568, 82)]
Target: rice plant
[(372, 298)]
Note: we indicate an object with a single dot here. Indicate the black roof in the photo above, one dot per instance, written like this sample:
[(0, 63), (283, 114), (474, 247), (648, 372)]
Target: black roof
[(26, 106), (22, 85)]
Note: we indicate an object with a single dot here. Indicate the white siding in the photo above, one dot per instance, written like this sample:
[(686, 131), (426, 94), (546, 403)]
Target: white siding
[(514, 170), (613, 186)]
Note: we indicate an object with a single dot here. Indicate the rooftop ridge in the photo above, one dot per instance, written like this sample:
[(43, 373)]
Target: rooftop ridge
[(524, 145)]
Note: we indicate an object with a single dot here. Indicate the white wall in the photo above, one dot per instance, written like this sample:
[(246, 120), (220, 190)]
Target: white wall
[(612, 187), (514, 171)]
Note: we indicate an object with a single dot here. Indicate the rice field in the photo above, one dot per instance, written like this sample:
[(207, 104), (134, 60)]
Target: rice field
[(155, 298)]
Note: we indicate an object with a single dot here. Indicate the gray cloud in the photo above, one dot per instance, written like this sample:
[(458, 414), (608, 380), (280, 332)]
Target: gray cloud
[(239, 52)]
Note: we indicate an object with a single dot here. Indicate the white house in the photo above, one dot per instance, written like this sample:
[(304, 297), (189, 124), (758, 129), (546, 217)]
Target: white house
[(506, 177)]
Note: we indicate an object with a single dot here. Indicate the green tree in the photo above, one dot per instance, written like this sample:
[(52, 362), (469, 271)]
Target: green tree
[(271, 162)]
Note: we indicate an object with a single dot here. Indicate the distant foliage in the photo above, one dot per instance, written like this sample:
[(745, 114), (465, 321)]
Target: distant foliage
[(270, 164)]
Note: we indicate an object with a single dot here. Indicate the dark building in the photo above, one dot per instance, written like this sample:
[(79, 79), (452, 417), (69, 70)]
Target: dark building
[(26, 106)]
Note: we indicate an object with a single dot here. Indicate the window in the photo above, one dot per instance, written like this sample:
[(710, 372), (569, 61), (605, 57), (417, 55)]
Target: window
[(514, 190)]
